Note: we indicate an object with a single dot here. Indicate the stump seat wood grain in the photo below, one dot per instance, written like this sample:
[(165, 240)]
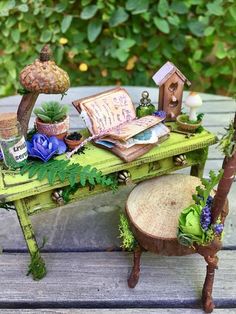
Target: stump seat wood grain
[(154, 205)]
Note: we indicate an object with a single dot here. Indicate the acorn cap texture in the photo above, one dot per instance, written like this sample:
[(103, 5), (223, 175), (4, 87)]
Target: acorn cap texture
[(44, 76)]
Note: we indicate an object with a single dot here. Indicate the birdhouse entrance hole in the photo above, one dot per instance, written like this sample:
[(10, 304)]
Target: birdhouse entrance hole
[(173, 87)]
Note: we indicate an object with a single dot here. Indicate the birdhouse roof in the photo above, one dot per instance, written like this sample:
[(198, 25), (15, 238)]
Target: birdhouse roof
[(166, 71)]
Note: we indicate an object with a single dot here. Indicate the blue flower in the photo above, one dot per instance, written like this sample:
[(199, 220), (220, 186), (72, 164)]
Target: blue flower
[(1, 156), (44, 147)]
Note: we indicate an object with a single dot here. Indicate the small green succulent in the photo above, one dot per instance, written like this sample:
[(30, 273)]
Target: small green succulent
[(51, 112)]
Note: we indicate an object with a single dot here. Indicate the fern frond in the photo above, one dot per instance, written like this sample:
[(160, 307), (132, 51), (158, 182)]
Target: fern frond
[(62, 170)]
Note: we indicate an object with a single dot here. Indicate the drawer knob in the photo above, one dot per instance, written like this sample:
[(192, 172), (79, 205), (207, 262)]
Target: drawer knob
[(180, 160), (124, 177), (57, 197)]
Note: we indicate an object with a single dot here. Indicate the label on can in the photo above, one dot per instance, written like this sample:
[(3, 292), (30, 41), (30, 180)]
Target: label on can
[(19, 150)]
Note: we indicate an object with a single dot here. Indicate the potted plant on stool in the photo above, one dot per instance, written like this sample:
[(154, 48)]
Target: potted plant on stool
[(52, 119)]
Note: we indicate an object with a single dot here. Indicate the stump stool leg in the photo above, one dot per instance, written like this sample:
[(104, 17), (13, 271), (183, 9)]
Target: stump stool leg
[(134, 276), (208, 304)]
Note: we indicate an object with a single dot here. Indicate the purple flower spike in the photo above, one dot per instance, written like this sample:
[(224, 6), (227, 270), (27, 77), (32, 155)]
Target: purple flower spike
[(44, 147), (218, 228), (1, 156), (161, 114), (209, 201), (205, 218)]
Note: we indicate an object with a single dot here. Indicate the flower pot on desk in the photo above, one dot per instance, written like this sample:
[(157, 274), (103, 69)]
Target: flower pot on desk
[(73, 140), (58, 129), (184, 124)]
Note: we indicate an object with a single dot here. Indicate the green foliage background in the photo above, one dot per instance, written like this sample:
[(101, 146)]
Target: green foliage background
[(121, 42)]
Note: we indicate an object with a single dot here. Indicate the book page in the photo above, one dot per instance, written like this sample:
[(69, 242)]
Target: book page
[(131, 128), (107, 110)]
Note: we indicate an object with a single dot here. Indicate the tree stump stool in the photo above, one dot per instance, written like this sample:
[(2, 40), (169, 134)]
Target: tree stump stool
[(153, 209)]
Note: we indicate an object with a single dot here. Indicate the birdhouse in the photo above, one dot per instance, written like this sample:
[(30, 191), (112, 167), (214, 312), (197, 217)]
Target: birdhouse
[(171, 84)]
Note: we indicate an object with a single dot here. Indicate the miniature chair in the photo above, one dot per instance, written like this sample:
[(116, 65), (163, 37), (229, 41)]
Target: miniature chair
[(153, 209)]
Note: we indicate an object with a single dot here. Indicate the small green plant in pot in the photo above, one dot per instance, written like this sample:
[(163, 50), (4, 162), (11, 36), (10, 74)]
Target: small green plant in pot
[(190, 122), (52, 119)]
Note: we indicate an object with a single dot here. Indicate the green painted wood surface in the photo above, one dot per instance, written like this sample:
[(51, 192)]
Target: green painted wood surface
[(13, 186), (43, 201)]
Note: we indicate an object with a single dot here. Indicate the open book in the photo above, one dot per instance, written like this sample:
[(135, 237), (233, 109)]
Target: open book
[(111, 119)]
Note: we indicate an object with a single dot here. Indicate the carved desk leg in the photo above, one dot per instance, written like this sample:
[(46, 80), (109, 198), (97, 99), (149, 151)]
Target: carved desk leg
[(208, 304), (37, 266), (134, 276)]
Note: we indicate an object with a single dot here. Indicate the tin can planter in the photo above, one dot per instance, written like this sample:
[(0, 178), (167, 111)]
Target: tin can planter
[(184, 124), (73, 140), (58, 129)]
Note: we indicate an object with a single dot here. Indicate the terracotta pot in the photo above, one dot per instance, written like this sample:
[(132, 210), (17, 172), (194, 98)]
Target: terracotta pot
[(73, 143), (59, 129), (185, 126)]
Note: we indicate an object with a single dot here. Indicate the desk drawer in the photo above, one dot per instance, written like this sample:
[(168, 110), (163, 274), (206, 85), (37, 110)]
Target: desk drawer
[(43, 201)]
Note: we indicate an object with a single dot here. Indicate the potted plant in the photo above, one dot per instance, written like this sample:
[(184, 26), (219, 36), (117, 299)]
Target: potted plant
[(52, 119), (73, 140), (190, 122)]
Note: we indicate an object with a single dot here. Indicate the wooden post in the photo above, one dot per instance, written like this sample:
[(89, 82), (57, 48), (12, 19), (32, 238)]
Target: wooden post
[(208, 304), (229, 166)]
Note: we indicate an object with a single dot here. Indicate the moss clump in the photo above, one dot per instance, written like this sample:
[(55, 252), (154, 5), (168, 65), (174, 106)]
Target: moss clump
[(128, 240), (185, 119), (37, 267)]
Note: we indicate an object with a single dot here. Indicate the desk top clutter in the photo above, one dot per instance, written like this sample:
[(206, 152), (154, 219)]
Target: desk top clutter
[(120, 144)]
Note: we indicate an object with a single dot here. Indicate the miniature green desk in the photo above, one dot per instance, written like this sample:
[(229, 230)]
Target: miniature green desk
[(31, 196)]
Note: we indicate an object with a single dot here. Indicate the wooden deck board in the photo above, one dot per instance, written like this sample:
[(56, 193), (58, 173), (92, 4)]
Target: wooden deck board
[(100, 280), (114, 311)]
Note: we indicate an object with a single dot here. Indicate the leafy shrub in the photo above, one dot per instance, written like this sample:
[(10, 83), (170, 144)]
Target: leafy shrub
[(122, 42)]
